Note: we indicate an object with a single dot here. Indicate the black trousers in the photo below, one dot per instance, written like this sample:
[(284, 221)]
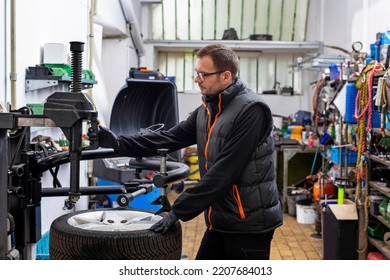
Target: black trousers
[(223, 246)]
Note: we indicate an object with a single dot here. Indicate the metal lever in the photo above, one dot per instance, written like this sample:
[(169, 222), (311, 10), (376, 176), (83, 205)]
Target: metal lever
[(124, 199), (163, 199)]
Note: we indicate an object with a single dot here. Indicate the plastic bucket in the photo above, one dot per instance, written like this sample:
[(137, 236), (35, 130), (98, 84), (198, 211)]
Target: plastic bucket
[(291, 206), (306, 214)]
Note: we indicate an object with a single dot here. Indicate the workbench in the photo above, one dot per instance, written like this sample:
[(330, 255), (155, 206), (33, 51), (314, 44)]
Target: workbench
[(294, 163)]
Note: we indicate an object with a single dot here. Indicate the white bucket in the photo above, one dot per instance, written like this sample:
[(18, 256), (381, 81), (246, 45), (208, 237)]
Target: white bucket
[(306, 214)]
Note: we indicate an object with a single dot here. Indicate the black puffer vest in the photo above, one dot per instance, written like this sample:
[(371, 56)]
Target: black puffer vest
[(252, 205)]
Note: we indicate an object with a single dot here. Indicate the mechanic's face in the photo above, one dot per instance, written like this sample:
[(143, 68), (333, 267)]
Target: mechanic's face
[(210, 81)]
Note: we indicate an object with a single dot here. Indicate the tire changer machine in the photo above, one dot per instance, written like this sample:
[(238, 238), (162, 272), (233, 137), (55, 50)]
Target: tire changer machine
[(22, 164)]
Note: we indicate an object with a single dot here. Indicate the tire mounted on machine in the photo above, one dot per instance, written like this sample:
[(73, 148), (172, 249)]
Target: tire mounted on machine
[(91, 239)]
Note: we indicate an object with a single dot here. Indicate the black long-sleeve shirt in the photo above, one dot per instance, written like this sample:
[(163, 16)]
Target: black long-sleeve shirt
[(237, 151)]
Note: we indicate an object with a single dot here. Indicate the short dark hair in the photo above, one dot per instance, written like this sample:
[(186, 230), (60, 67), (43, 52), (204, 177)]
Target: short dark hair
[(224, 57)]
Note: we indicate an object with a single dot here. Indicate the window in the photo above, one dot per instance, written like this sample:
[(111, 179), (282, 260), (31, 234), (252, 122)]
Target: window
[(285, 20), (195, 20), (259, 71)]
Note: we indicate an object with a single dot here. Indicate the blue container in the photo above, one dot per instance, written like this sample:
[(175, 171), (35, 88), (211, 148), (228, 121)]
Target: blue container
[(42, 249), (302, 118), (385, 38), (335, 155), (372, 54), (376, 119), (376, 116), (372, 50), (334, 72), (350, 104)]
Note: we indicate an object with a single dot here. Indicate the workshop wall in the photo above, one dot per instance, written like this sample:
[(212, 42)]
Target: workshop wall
[(340, 23)]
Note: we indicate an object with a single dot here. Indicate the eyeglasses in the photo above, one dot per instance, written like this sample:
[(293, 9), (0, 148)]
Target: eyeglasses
[(203, 75)]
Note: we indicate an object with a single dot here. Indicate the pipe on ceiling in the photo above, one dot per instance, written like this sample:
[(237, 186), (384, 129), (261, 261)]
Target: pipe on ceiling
[(131, 19)]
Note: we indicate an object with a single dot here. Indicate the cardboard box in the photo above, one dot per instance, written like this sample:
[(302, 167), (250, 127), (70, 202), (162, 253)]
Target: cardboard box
[(339, 230)]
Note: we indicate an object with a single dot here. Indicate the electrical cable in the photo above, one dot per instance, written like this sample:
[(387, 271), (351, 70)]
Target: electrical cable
[(156, 128), (56, 182), (22, 135)]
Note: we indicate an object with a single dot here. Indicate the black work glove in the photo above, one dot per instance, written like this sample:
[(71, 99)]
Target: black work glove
[(107, 139), (162, 226)]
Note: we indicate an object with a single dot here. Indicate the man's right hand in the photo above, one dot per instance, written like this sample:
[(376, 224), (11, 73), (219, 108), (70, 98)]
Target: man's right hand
[(108, 139)]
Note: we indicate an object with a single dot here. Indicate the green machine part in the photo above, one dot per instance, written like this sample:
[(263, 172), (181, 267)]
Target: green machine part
[(65, 70)]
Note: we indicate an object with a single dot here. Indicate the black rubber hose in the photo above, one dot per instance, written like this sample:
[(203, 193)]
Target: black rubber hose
[(63, 157), (176, 171)]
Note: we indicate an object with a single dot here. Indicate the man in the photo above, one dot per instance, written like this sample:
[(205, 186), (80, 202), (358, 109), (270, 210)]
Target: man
[(233, 132)]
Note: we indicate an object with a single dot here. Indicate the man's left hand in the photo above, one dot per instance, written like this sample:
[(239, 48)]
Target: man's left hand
[(162, 226)]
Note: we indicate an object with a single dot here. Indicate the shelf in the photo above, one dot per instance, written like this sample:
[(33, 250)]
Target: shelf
[(379, 131), (51, 81), (240, 45), (382, 220), (375, 185), (383, 189), (380, 160), (381, 246)]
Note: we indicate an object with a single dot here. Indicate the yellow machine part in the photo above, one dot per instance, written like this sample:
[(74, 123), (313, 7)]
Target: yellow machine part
[(194, 167)]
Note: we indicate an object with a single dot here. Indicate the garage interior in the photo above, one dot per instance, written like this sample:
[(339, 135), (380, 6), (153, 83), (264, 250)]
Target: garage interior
[(322, 67)]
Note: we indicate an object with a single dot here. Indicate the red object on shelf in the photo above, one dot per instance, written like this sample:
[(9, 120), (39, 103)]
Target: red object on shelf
[(376, 256), (329, 189)]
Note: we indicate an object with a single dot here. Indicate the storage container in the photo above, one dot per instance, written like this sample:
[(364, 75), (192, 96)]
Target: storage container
[(291, 205), (42, 249), (350, 101), (383, 207), (334, 70), (306, 214), (376, 230), (375, 200), (335, 155), (376, 256)]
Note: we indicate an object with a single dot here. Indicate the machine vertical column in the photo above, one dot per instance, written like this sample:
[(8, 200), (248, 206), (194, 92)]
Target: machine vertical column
[(75, 148), (3, 192)]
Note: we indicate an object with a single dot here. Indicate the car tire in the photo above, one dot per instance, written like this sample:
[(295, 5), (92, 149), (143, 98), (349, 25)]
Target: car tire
[(114, 234)]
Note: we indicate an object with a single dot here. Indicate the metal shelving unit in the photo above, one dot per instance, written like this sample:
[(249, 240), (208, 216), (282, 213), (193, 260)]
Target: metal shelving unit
[(384, 190), (381, 246), (240, 45)]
